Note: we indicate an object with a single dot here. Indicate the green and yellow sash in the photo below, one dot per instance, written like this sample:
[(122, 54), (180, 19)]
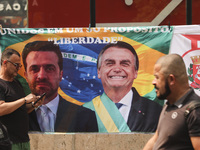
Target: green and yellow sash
[(108, 116)]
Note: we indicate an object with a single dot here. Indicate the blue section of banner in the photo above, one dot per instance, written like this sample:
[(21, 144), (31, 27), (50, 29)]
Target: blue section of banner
[(80, 80)]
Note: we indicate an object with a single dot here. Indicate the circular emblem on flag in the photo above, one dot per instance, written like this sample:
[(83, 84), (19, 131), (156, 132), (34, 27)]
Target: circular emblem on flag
[(196, 69), (192, 60), (174, 115)]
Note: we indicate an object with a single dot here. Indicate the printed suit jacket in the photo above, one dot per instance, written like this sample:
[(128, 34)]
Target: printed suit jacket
[(70, 118), (144, 114)]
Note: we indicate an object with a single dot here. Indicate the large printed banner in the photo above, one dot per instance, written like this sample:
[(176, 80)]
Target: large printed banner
[(80, 48), (186, 42)]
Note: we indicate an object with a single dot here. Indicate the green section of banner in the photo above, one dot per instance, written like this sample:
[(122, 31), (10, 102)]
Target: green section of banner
[(152, 96), (24, 84), (10, 36), (155, 37)]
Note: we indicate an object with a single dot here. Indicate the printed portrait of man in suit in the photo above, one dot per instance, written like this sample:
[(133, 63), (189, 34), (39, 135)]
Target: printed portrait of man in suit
[(43, 65), (120, 108)]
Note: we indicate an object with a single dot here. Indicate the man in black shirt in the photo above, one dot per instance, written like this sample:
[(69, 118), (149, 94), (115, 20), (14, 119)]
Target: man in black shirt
[(14, 105), (175, 130)]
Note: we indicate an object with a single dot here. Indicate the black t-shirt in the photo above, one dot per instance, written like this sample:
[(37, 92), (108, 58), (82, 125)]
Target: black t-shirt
[(5, 143), (17, 121), (174, 130)]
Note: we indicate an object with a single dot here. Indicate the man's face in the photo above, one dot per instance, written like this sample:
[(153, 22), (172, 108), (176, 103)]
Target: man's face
[(117, 68), (160, 83), (43, 73), (12, 70)]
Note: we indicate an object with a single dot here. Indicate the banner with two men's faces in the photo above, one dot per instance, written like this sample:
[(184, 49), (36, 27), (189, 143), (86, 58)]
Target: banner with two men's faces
[(80, 48)]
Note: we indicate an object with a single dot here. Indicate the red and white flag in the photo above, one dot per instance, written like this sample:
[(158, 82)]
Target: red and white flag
[(186, 42)]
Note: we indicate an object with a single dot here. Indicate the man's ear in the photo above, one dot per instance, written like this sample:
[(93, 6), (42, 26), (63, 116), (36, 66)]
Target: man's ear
[(136, 74), (98, 73), (171, 79), (5, 61)]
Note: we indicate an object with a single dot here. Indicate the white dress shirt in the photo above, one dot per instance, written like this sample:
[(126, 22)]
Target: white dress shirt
[(125, 108)]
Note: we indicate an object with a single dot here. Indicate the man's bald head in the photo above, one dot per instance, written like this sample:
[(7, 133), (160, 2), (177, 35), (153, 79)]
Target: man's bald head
[(173, 64)]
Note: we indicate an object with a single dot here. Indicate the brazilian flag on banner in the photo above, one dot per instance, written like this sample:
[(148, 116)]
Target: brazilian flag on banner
[(80, 48)]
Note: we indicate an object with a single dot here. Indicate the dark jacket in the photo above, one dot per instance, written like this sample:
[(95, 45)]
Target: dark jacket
[(144, 114), (70, 118)]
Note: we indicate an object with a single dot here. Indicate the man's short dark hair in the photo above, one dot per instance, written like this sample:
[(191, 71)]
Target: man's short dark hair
[(45, 46), (7, 53), (119, 44)]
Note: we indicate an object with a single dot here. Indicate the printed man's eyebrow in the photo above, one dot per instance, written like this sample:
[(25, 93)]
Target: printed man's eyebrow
[(126, 60), (109, 60)]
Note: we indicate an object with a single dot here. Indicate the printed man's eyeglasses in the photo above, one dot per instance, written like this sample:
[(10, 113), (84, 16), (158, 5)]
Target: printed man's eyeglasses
[(17, 65)]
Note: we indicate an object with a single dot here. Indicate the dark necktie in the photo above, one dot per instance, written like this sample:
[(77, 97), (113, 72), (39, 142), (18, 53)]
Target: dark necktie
[(118, 105)]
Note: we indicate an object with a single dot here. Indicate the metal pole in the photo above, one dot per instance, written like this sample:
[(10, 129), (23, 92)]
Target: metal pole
[(189, 12), (92, 14)]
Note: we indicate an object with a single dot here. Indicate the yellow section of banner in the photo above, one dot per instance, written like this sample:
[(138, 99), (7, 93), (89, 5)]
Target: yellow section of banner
[(68, 98)]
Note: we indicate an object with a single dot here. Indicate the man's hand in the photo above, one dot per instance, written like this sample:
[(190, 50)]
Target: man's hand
[(31, 102), (31, 98), (40, 102)]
